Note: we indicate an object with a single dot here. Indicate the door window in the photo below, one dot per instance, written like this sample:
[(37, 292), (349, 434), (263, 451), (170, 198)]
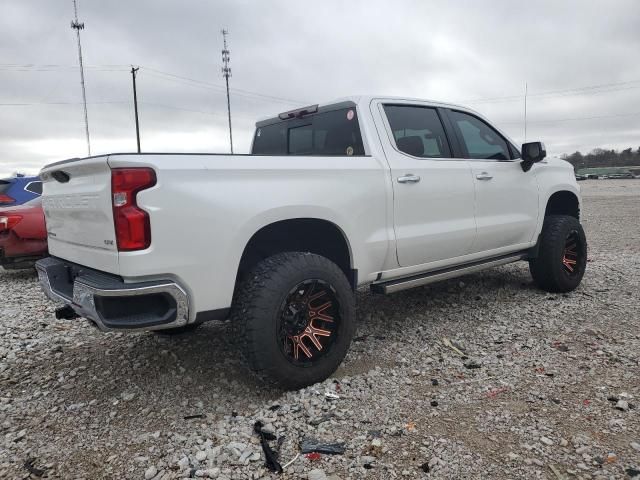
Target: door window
[(418, 131), (479, 140)]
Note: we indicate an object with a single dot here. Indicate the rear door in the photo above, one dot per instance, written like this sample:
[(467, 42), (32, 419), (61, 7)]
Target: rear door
[(433, 192), (78, 211), (506, 197)]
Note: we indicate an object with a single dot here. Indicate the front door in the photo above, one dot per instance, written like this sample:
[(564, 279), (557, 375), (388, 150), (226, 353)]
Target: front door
[(433, 192), (506, 197)]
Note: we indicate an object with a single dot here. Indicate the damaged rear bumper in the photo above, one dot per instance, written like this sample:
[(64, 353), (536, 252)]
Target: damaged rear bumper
[(109, 302)]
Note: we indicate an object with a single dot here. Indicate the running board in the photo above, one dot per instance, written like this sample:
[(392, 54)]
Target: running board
[(397, 284)]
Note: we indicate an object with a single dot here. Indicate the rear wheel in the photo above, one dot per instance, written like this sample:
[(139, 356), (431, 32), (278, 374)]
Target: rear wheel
[(294, 318), (562, 254)]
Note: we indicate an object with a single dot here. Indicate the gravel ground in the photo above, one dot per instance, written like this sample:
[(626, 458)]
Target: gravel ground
[(479, 377)]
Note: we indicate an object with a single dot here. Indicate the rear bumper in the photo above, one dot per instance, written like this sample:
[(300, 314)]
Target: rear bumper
[(109, 302)]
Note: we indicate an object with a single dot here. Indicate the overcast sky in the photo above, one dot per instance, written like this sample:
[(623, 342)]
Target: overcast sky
[(578, 58)]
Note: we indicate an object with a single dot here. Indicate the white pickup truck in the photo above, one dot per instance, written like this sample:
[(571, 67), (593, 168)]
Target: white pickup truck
[(391, 193)]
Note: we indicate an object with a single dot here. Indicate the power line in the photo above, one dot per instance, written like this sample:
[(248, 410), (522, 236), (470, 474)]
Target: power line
[(77, 26), (596, 117), (31, 104), (204, 112), (226, 73), (59, 68), (588, 90), (156, 73), (212, 86)]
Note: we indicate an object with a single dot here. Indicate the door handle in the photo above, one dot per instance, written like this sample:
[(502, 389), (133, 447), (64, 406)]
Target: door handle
[(484, 176), (409, 178)]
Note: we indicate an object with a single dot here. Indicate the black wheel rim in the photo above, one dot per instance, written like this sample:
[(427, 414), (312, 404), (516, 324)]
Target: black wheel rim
[(309, 319), (572, 254)]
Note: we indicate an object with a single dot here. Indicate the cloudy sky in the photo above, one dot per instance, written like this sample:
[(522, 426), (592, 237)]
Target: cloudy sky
[(578, 58)]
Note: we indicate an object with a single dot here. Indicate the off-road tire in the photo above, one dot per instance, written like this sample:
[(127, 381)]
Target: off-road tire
[(255, 317), (547, 268), (178, 330)]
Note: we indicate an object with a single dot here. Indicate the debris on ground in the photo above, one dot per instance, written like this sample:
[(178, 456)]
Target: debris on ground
[(633, 472), (447, 343), (312, 445), (271, 457), (196, 415), (29, 465), (622, 405), (472, 364), (494, 392), (324, 418)]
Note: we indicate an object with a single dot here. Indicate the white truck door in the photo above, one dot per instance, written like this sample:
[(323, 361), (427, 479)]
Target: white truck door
[(506, 197), (433, 192)]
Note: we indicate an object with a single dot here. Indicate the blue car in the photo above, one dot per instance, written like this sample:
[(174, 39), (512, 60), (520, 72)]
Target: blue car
[(18, 190)]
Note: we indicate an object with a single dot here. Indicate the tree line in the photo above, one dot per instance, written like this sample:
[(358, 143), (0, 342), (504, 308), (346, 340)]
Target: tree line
[(600, 157)]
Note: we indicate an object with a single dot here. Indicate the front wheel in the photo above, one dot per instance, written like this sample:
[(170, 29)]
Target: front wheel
[(294, 318), (562, 254)]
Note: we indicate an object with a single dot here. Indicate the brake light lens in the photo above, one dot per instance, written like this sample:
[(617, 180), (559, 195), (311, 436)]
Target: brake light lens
[(6, 199), (9, 221), (133, 229)]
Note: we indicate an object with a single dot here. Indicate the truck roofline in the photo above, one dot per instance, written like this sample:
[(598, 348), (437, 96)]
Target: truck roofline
[(365, 100)]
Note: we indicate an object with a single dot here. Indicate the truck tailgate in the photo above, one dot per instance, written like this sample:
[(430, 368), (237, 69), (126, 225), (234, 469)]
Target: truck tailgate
[(78, 210)]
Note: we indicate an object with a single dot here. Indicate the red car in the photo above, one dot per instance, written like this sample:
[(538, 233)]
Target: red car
[(23, 235)]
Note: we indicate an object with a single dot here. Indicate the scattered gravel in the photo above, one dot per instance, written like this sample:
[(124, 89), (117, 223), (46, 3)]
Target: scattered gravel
[(479, 377)]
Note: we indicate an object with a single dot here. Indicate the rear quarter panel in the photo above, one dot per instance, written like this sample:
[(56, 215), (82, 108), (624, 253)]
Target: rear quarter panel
[(205, 208)]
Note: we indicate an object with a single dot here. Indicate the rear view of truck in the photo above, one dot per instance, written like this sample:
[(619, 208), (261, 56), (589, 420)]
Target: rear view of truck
[(92, 217)]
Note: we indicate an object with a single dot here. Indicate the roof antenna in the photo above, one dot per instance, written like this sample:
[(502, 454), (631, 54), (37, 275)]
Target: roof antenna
[(525, 112)]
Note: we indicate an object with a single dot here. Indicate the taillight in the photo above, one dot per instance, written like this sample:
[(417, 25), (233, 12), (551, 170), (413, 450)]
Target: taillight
[(133, 230), (9, 221), (6, 199)]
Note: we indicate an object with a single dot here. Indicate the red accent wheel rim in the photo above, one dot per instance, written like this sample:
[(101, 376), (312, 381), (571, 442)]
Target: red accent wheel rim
[(571, 254), (309, 319)]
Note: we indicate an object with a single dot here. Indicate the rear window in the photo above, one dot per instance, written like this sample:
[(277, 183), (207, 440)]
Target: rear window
[(332, 133), (4, 185)]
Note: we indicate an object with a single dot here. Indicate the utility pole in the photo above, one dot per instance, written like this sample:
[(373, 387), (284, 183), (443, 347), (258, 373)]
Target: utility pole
[(226, 73), (525, 111), (135, 103), (77, 26)]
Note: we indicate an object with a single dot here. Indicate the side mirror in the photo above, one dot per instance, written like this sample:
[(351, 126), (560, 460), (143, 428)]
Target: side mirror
[(532, 152)]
